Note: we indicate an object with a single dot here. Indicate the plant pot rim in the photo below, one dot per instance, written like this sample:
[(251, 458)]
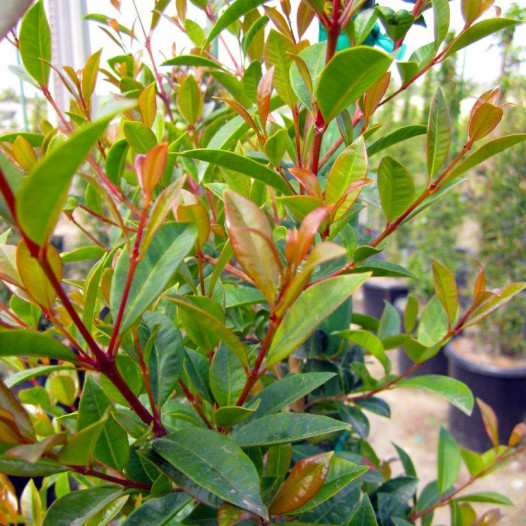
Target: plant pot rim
[(482, 368)]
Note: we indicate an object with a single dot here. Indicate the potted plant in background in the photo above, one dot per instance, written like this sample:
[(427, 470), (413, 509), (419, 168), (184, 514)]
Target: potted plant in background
[(491, 361), (176, 384)]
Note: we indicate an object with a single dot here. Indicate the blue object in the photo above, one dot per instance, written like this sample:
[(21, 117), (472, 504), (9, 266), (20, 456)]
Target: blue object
[(375, 38)]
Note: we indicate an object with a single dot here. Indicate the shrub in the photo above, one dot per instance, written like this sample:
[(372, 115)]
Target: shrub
[(204, 369)]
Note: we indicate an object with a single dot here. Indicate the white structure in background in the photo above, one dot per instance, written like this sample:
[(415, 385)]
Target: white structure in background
[(70, 40)]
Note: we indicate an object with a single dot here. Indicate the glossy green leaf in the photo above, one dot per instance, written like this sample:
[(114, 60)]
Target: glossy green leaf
[(341, 473), (20, 342), (308, 312), (454, 391), (31, 504), (303, 483), (285, 427), (485, 152), (369, 341), (478, 31), (83, 254), (42, 195), (228, 416), (26, 374), (288, 390), (216, 463), (441, 20), (396, 188), (488, 497), (158, 512), (80, 447), (192, 60), (166, 357), (21, 468), (433, 324), (112, 446), (448, 461), (251, 239), (35, 43), (351, 165), (438, 133), (210, 324), (167, 250), (347, 77), (80, 506), (401, 134), (232, 13), (116, 160), (139, 136), (227, 377), (446, 289), (190, 100), (278, 51), (364, 515), (240, 164), (314, 58)]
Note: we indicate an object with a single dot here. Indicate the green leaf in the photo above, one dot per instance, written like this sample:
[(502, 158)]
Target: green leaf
[(399, 135), (341, 473), (287, 390), (197, 369), (309, 311), (282, 428), (26, 374), (410, 314), (278, 51), (21, 342), (79, 507), (314, 58), (190, 100), (251, 239), (396, 188), (35, 43), (166, 357), (82, 254), (116, 161), (350, 166), (228, 416), (240, 164), (192, 60), (216, 463), (364, 515), (441, 18), (454, 391), (433, 323), (369, 341), (485, 152), (347, 77), (227, 377), (390, 323), (139, 136), (380, 267), (438, 133), (43, 194), (21, 468), (31, 504), (448, 461), (112, 447), (158, 512), (167, 250), (210, 326), (446, 289), (232, 13), (488, 497), (80, 447), (478, 31)]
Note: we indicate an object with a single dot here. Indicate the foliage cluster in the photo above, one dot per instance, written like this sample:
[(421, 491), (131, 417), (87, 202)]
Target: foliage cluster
[(204, 370)]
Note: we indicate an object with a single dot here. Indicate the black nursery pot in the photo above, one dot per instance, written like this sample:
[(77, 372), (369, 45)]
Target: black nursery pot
[(436, 365), (375, 291), (503, 388)]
